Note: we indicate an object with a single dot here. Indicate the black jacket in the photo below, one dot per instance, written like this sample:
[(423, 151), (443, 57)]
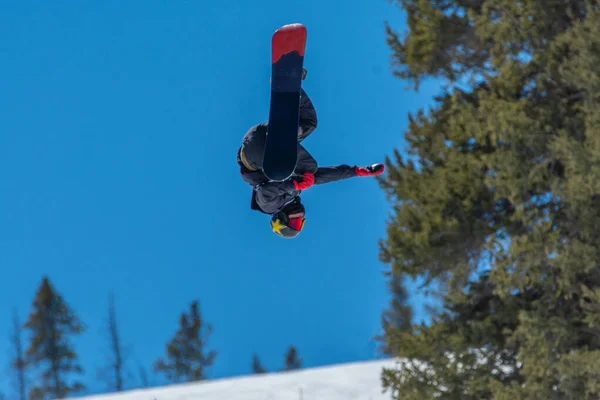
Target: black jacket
[(268, 196)]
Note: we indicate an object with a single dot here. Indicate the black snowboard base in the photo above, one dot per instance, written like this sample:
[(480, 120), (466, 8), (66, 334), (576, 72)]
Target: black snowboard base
[(287, 59)]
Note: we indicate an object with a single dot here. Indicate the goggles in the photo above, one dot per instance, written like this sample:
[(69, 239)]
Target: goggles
[(296, 223)]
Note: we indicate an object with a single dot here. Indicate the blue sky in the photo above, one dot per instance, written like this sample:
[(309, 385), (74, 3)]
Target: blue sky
[(119, 125)]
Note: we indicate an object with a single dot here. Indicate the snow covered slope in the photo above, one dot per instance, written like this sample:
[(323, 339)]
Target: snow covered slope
[(353, 381)]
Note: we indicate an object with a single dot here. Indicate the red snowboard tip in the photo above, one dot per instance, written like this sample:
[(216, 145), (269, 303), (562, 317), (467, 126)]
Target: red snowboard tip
[(287, 39)]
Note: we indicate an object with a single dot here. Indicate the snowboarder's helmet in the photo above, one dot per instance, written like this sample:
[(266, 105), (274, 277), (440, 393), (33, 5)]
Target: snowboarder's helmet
[(286, 227)]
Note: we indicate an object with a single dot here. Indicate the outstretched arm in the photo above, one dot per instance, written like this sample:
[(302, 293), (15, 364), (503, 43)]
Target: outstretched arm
[(335, 173), (344, 171), (270, 196)]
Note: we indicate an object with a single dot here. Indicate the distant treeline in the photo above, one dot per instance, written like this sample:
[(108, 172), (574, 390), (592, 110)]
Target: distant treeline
[(45, 364)]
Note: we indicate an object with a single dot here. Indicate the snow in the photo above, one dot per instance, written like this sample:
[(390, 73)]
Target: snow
[(352, 381)]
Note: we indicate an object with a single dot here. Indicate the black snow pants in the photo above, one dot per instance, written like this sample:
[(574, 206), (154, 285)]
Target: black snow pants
[(250, 154)]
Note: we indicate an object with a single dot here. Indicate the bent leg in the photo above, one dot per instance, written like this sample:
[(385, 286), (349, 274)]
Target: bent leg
[(253, 145), (305, 162), (308, 116), (307, 125)]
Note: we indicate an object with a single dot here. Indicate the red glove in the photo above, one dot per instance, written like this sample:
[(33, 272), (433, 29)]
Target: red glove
[(307, 181), (370, 170)]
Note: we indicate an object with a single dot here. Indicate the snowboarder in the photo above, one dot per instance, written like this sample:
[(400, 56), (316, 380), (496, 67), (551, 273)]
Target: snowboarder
[(282, 200)]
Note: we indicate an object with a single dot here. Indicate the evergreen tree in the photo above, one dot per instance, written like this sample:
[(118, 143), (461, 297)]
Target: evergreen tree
[(292, 360), (51, 323), (18, 363), (186, 359), (114, 373), (398, 318), (497, 202), (143, 375), (257, 367)]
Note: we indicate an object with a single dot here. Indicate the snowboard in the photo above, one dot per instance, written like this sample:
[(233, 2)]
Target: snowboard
[(287, 60)]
